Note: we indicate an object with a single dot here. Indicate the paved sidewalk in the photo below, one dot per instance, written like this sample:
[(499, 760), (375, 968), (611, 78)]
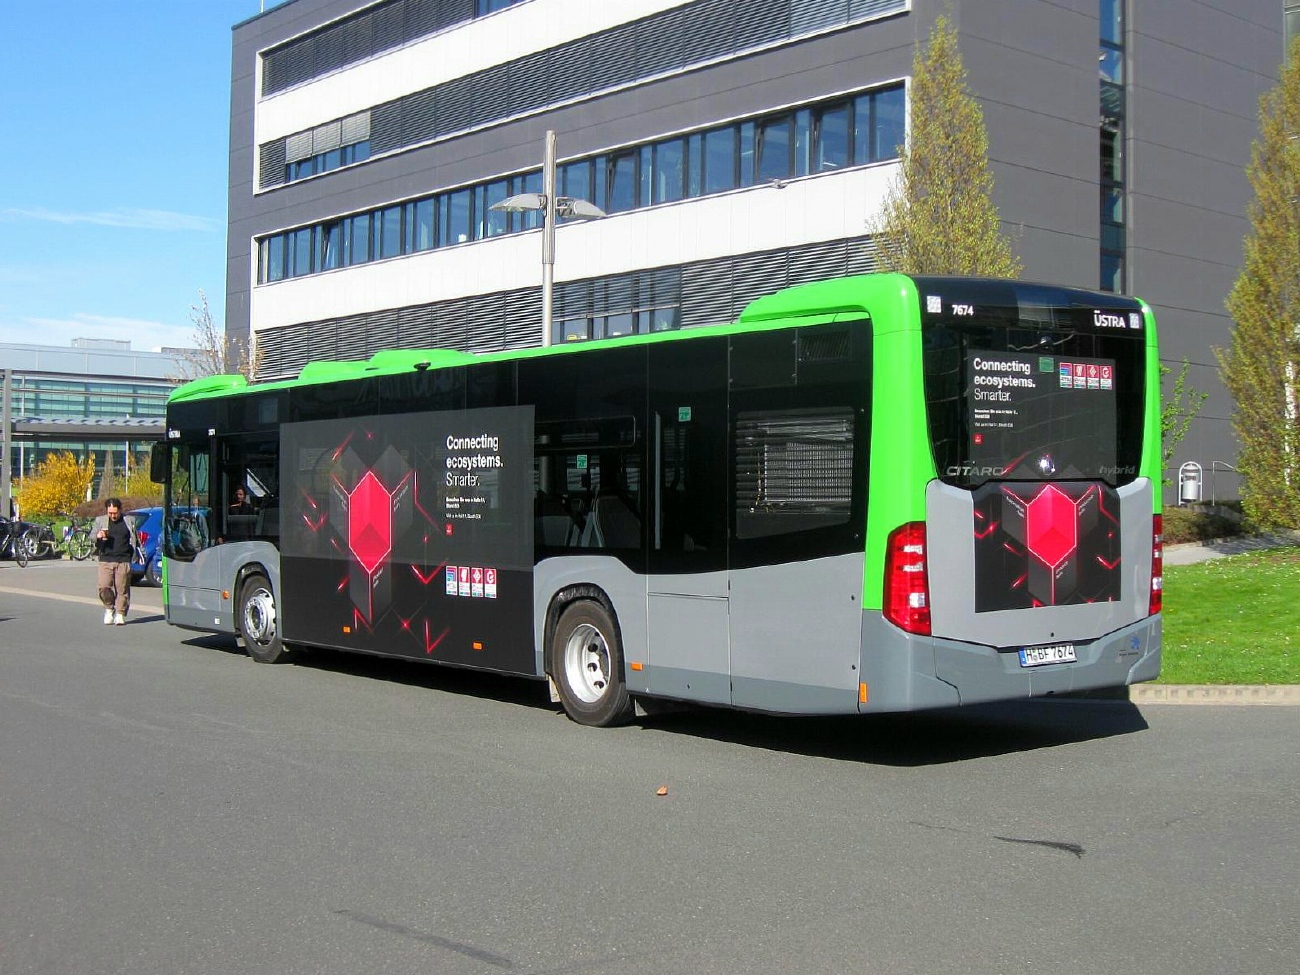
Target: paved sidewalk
[(1188, 553)]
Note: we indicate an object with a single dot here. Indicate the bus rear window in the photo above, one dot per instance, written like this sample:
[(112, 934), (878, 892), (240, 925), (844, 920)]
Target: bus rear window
[(1048, 389), (1048, 413)]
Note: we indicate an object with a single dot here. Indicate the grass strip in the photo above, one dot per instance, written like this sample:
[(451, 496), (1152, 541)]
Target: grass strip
[(1233, 620)]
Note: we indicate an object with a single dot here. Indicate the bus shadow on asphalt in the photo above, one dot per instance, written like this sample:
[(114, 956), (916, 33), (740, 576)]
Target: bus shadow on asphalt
[(461, 681), (919, 738), (223, 642), (905, 740)]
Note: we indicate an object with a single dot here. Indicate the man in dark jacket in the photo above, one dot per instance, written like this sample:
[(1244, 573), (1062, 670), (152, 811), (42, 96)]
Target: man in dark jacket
[(116, 543)]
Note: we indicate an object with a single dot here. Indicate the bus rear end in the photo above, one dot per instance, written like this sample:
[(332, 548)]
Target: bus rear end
[(1027, 561)]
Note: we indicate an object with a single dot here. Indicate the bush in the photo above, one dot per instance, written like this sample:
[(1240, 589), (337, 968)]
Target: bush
[(57, 484), (1202, 523)]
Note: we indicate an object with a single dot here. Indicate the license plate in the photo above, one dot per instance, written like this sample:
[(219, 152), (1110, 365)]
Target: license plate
[(1056, 653)]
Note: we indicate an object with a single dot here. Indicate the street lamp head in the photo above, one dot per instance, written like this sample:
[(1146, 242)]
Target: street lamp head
[(571, 209), (521, 203)]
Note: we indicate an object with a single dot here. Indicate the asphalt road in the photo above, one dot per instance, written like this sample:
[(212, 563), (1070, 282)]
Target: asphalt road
[(167, 806)]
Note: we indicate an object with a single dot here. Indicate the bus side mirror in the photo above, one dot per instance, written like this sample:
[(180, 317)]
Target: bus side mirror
[(159, 463)]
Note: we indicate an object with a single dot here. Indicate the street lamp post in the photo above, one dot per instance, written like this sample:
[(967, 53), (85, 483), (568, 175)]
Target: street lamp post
[(551, 208)]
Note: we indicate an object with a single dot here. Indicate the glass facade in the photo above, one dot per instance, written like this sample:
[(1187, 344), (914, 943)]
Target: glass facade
[(68, 399), (1291, 22), (847, 131), (1113, 113), (78, 400)]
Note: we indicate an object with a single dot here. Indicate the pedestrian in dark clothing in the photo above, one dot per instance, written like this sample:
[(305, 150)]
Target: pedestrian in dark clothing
[(116, 543)]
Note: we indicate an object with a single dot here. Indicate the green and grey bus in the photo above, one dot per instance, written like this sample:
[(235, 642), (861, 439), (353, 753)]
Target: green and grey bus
[(874, 493)]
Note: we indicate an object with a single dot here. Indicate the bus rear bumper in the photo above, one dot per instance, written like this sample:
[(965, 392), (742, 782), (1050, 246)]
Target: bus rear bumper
[(905, 673), (1125, 656)]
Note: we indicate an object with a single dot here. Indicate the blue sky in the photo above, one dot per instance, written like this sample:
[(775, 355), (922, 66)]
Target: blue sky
[(113, 167)]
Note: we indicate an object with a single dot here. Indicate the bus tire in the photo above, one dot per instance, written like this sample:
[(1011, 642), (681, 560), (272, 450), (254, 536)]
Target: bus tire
[(587, 666), (259, 622)]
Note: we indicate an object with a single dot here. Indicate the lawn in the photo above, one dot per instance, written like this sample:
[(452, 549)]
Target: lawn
[(1233, 620)]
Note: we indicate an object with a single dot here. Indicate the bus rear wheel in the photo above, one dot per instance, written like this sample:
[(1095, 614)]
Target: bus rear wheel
[(587, 666), (259, 622)]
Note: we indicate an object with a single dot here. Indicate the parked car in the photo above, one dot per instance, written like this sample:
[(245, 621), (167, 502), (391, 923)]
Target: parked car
[(189, 533), (153, 574), (148, 527)]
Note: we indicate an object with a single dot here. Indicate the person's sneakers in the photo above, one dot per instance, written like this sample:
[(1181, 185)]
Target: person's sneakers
[(119, 619), (108, 617)]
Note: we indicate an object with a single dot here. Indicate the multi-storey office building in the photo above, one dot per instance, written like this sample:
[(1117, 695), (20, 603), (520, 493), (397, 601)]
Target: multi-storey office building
[(737, 147), (93, 398)]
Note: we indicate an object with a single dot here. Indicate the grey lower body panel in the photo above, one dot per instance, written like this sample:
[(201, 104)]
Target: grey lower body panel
[(200, 593), (196, 618)]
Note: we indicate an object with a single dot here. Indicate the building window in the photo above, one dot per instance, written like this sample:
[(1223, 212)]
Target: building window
[(720, 160), (817, 138), (492, 6), (327, 147), (774, 149)]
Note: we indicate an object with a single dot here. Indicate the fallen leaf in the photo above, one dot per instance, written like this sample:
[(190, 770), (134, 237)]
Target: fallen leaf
[(662, 790)]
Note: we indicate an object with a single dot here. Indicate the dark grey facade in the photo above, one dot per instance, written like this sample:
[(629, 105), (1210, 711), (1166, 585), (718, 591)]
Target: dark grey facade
[(1192, 75)]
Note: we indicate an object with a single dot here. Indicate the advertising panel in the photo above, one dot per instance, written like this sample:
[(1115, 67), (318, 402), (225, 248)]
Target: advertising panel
[(1042, 416), (412, 534)]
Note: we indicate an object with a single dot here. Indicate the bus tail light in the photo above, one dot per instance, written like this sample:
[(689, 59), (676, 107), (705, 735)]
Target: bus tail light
[(907, 581), (1157, 565), (144, 538)]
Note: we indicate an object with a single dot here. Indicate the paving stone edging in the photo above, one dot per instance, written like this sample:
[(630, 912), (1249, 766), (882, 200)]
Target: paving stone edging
[(1266, 694)]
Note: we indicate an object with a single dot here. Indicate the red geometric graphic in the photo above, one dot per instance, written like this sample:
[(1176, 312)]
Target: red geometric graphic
[(370, 523), (1051, 527)]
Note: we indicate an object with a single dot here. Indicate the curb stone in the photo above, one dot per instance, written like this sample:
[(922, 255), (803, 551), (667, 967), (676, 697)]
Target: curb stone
[(1235, 694)]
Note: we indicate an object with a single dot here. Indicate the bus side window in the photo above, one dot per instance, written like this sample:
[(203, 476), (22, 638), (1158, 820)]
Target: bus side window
[(677, 531)]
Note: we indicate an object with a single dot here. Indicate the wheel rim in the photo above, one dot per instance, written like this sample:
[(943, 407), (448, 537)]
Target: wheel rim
[(586, 663), (259, 617)]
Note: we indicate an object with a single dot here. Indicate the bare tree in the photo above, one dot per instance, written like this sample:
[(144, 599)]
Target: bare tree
[(215, 353)]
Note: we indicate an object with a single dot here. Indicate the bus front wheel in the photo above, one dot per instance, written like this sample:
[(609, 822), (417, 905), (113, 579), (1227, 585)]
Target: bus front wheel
[(259, 623), (587, 666)]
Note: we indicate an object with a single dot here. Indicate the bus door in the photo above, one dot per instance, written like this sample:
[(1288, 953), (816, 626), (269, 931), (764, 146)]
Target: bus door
[(689, 647), (247, 487), (799, 435), (189, 539)]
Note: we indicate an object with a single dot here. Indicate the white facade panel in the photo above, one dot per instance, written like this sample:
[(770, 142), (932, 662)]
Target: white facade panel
[(505, 36), (802, 211)]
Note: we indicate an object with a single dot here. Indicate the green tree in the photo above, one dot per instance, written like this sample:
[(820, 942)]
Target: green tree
[(138, 483), (938, 216), (1177, 412), (1261, 366)]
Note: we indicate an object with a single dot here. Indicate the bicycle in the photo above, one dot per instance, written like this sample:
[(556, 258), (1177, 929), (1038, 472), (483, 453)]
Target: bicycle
[(40, 541), (13, 543), (77, 542)]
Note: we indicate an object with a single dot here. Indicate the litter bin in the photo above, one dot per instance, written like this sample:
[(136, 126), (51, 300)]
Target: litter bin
[(1189, 483)]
